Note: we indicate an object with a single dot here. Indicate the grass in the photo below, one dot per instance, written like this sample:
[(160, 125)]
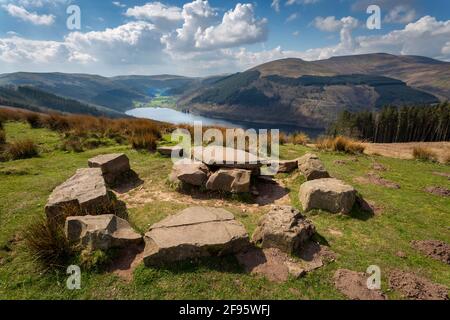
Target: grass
[(21, 149), (340, 144), (408, 214)]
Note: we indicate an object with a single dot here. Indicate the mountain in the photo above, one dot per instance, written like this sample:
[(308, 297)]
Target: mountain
[(116, 93), (312, 94), (37, 100)]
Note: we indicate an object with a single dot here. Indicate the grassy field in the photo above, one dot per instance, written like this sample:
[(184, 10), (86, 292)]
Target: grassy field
[(159, 102), (407, 214)]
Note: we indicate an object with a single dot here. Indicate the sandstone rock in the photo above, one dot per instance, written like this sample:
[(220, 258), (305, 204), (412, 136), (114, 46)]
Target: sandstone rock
[(284, 228), (312, 168), (327, 194), (193, 233), (84, 192), (190, 172), (230, 180), (169, 151), (101, 232), (222, 157), (113, 166), (287, 166)]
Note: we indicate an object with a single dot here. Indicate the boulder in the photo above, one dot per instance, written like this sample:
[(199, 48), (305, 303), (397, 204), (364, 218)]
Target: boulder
[(113, 166), (312, 168), (286, 166), (284, 228), (101, 232), (169, 151), (189, 172), (332, 195), (221, 157), (83, 193), (230, 180), (193, 233)]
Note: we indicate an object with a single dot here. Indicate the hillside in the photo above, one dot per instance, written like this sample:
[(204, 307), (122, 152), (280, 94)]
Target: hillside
[(311, 94)]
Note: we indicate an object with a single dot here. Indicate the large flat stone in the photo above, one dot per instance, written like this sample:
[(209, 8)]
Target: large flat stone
[(169, 151), (113, 166), (190, 172), (193, 233), (331, 195), (230, 180), (85, 192), (101, 232)]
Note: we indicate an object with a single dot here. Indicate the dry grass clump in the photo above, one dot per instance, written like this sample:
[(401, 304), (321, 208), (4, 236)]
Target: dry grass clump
[(47, 243), (424, 154), (2, 136), (300, 138), (144, 142), (22, 149), (34, 120), (340, 144)]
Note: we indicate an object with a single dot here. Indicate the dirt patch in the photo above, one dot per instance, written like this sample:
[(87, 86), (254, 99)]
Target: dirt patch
[(435, 249), (314, 256), (401, 254), (336, 233), (128, 259), (442, 174), (378, 167), (415, 287), (346, 161), (438, 191), (353, 285), (375, 179), (271, 193)]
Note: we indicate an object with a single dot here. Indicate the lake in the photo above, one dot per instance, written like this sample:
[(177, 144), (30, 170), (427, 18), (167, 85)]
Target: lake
[(178, 117)]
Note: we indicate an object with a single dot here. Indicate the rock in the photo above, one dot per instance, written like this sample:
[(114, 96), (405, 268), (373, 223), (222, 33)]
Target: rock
[(327, 194), (230, 180), (220, 157), (284, 228), (312, 168), (189, 172), (84, 193), (286, 166), (169, 151), (193, 233), (113, 166), (101, 232)]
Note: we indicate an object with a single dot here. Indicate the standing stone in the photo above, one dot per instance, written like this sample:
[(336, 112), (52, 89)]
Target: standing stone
[(194, 233), (312, 168), (230, 180), (113, 166), (192, 173), (101, 232), (284, 228), (327, 194), (84, 193)]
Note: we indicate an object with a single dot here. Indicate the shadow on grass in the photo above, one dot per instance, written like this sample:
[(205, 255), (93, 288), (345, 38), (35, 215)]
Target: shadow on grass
[(362, 210)]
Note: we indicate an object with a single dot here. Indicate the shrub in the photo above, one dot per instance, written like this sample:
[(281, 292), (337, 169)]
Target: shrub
[(340, 144), (93, 260), (47, 243), (56, 122), (283, 138), (34, 120), (72, 145), (23, 149), (144, 142), (424, 154), (300, 138), (2, 136)]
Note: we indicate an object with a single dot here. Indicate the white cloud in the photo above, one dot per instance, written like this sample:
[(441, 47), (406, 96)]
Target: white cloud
[(291, 2), (25, 15), (119, 4), (292, 17), (161, 15), (328, 24), (276, 5), (400, 14)]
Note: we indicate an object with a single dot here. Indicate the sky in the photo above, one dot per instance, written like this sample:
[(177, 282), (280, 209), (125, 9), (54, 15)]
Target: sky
[(210, 37)]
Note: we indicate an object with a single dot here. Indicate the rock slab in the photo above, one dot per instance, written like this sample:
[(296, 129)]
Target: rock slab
[(85, 192), (284, 228), (101, 232), (189, 172), (169, 151), (330, 194), (312, 168), (194, 233), (230, 180), (113, 166), (221, 157)]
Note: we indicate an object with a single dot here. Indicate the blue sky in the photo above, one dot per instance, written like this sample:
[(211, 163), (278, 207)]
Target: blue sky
[(204, 37)]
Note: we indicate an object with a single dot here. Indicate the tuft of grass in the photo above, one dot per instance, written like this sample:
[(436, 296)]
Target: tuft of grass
[(93, 260), (144, 142), (424, 154), (340, 144), (300, 138), (72, 145), (2, 136), (22, 149), (47, 243), (34, 120)]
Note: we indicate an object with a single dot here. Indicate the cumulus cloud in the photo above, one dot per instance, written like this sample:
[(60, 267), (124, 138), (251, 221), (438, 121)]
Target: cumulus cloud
[(276, 5), (328, 24), (25, 15), (163, 16), (400, 14), (291, 2)]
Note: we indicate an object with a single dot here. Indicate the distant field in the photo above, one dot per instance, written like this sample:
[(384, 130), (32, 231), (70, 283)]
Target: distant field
[(359, 239), (159, 102), (405, 150)]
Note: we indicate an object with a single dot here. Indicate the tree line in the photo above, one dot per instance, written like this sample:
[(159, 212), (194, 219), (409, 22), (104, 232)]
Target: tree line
[(392, 124)]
